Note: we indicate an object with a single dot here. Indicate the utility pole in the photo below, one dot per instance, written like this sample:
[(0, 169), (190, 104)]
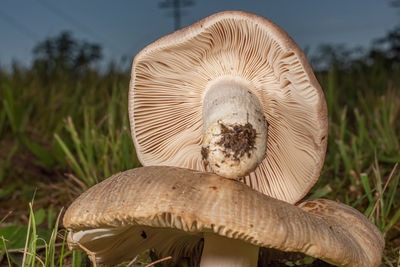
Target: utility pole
[(177, 6)]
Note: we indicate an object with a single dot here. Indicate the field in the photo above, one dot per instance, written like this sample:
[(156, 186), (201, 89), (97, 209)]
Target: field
[(64, 130)]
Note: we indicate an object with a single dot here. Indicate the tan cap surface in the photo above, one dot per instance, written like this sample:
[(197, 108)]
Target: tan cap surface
[(169, 209), (365, 234), (168, 83)]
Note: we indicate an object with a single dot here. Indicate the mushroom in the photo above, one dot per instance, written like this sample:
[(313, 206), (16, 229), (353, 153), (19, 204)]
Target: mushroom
[(183, 213), (232, 94)]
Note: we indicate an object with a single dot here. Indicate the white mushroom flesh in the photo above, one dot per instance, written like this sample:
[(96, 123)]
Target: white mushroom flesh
[(235, 129), (225, 252)]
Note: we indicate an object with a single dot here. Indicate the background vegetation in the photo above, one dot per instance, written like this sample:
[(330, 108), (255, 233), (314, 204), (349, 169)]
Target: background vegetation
[(64, 127)]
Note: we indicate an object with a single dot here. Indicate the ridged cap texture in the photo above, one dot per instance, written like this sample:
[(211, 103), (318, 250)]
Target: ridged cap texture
[(169, 208)]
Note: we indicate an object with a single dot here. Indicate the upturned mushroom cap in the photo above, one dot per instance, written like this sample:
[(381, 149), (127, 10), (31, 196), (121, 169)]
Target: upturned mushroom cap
[(170, 79), (170, 209)]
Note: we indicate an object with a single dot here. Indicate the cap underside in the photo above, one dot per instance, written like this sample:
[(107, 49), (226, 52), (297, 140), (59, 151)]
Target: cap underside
[(169, 79)]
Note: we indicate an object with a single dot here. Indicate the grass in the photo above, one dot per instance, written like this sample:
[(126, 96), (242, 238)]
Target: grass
[(39, 250), (64, 132)]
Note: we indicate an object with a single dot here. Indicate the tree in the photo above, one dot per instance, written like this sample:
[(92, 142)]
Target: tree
[(387, 49), (64, 53)]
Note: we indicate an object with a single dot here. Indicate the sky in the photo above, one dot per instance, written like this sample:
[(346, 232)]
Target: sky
[(124, 27)]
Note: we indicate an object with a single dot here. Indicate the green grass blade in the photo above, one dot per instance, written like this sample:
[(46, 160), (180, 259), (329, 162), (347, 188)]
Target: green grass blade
[(322, 192), (74, 164), (62, 250), (5, 251), (77, 258), (367, 189)]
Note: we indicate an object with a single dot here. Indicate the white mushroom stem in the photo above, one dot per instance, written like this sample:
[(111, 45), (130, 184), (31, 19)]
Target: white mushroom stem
[(226, 252), (235, 128)]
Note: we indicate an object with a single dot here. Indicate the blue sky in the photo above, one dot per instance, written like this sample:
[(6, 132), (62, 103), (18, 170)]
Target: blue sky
[(124, 27)]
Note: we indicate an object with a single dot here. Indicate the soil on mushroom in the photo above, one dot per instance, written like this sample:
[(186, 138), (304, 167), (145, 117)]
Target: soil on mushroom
[(239, 139), (204, 153)]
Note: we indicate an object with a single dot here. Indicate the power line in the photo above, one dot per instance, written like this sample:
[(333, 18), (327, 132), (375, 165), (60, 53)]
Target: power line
[(177, 5), (20, 27), (78, 25)]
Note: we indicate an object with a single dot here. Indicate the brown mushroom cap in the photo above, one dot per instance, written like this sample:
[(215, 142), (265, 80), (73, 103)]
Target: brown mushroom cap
[(169, 209), (365, 234), (168, 83)]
